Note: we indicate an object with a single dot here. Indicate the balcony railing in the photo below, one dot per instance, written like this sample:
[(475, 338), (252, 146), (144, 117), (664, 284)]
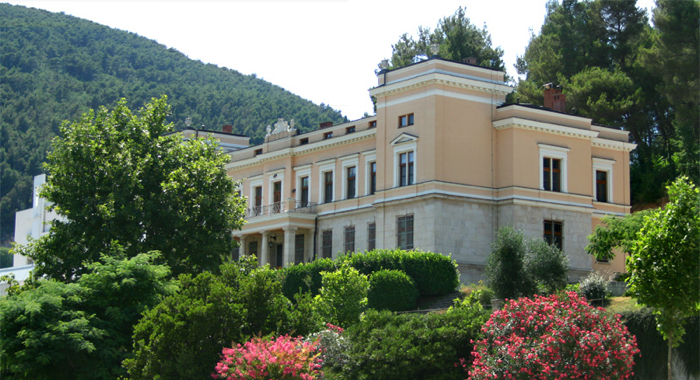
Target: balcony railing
[(288, 206)]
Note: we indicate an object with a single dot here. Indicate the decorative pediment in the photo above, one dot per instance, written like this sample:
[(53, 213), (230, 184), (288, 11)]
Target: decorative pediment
[(404, 138)]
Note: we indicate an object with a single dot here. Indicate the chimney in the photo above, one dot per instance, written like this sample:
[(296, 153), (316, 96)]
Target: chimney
[(553, 98), (227, 128), (325, 124), (469, 60)]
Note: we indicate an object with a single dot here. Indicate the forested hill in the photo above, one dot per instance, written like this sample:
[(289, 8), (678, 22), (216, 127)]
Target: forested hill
[(54, 67)]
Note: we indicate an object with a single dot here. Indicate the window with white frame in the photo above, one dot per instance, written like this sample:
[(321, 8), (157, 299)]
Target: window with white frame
[(326, 182), (405, 158), (350, 177), (303, 186), (553, 168), (603, 179), (276, 184), (255, 198), (370, 159)]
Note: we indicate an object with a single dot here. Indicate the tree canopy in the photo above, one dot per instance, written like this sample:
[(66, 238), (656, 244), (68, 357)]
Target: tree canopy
[(119, 176), (618, 70), (664, 263), (458, 39), (55, 67)]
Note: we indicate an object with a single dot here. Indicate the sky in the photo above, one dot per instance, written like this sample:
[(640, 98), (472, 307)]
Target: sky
[(324, 51)]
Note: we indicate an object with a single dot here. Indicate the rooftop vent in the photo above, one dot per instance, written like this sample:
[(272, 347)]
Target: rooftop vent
[(470, 60), (553, 98), (325, 124)]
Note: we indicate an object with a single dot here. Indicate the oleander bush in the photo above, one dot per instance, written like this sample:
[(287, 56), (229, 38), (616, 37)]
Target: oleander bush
[(390, 346), (392, 290), (283, 358), (333, 348), (433, 273), (555, 337)]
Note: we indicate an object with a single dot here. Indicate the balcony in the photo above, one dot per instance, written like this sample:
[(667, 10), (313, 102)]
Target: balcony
[(288, 206)]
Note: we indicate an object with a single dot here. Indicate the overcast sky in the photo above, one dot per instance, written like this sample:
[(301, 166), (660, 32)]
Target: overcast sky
[(324, 51)]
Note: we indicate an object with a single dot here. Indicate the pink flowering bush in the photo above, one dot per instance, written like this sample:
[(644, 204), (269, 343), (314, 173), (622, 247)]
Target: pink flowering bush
[(260, 359), (555, 337)]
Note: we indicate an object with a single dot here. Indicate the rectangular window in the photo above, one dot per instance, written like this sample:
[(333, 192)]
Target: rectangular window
[(258, 151), (601, 186), (349, 239), (406, 169), (327, 244), (349, 130), (553, 233), (327, 135), (236, 254), (298, 249), (404, 232), (304, 191), (257, 210), (327, 187), (351, 172), (276, 197), (551, 172), (372, 177), (405, 120), (371, 236), (372, 124), (304, 141), (253, 248)]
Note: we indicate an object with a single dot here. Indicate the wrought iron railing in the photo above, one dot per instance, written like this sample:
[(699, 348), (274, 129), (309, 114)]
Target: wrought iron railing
[(291, 205)]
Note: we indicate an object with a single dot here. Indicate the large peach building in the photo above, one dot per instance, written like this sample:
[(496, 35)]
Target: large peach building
[(442, 165)]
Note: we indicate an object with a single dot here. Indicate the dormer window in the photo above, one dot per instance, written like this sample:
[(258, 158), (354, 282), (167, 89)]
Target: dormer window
[(349, 130), (327, 135), (405, 120), (258, 151)]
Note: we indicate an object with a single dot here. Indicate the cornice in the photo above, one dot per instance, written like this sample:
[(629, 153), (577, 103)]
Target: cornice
[(441, 79), (556, 129), (614, 145)]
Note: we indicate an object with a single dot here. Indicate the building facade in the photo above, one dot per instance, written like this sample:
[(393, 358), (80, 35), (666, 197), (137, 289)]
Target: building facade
[(443, 164)]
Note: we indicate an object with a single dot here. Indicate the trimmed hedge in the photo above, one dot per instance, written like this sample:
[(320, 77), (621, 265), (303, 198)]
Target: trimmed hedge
[(434, 274), (411, 346), (392, 290), (305, 277)]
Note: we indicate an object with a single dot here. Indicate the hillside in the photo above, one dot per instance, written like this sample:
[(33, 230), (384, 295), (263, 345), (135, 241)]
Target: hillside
[(54, 67)]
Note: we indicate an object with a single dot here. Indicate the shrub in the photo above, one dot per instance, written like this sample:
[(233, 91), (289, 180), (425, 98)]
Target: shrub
[(593, 287), (333, 347), (305, 277), (553, 338), (505, 271), (388, 346), (480, 292), (433, 273), (546, 265), (280, 358), (343, 296), (392, 290)]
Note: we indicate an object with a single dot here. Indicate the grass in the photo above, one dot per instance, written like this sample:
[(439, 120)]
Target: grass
[(620, 304)]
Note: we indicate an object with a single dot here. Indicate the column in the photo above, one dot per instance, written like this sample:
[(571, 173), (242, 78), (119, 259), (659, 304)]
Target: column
[(309, 245), (242, 249), (264, 257), (288, 253)]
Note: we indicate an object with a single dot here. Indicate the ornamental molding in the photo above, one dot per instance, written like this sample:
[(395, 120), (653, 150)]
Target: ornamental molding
[(613, 145), (444, 80), (531, 125)]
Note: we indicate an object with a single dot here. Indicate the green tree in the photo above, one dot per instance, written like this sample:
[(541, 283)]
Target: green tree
[(343, 297), (458, 39), (546, 265), (505, 272), (615, 233), (55, 330), (6, 258), (664, 262), (116, 176)]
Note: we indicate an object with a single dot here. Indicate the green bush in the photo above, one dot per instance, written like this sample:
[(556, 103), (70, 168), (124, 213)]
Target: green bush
[(305, 277), (433, 273), (343, 296), (546, 265), (391, 290), (593, 287), (388, 346), (480, 292)]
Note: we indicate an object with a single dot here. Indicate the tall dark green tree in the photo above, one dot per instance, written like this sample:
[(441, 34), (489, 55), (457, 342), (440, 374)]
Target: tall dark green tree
[(458, 39), (118, 176)]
